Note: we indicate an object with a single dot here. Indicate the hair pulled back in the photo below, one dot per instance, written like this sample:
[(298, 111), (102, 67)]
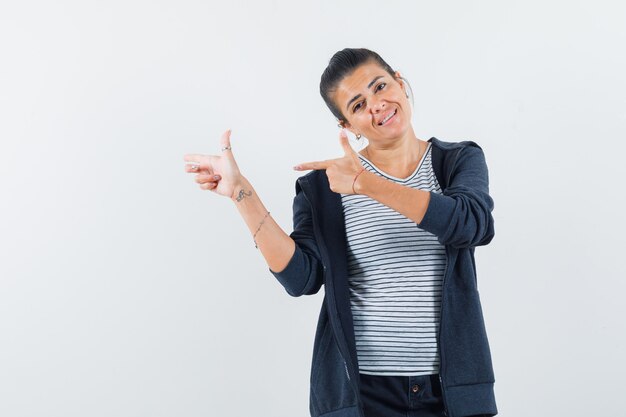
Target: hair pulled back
[(340, 66)]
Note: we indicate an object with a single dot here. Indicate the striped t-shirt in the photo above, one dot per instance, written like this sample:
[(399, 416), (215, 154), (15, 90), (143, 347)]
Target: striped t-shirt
[(395, 271)]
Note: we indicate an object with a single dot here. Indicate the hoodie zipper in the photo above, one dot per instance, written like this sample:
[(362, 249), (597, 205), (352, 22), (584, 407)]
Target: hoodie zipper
[(332, 297), (342, 358), (445, 408), (332, 301), (443, 397)]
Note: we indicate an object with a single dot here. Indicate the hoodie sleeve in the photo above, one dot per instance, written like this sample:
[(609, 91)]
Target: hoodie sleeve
[(461, 216), (304, 274)]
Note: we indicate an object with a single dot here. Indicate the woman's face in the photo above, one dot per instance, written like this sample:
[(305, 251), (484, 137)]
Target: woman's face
[(374, 103)]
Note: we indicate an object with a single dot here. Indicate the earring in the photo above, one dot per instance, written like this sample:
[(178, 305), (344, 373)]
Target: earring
[(358, 136)]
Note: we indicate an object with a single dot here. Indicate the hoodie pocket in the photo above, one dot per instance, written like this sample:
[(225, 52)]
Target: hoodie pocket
[(467, 352), (331, 387), (319, 350)]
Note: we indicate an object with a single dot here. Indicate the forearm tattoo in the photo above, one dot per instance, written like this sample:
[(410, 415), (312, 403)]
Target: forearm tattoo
[(242, 194)]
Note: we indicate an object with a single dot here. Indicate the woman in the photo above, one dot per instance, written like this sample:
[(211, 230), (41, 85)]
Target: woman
[(390, 232)]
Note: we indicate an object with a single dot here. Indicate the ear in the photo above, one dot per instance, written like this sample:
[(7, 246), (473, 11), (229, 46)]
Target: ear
[(345, 125), (398, 77)]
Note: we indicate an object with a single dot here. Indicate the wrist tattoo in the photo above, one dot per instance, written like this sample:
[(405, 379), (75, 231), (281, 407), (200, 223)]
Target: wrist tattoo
[(242, 194)]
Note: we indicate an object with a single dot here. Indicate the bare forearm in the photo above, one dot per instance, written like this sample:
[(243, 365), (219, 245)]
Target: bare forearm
[(408, 201), (276, 246)]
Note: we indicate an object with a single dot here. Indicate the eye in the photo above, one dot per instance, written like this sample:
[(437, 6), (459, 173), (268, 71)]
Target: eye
[(358, 106)]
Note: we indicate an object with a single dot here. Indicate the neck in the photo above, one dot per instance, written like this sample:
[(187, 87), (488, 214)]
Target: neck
[(397, 152)]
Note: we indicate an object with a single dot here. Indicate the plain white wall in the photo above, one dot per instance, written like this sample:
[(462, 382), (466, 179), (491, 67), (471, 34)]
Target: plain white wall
[(125, 290)]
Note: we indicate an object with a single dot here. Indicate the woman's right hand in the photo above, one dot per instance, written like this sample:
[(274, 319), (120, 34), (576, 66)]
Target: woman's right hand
[(216, 173)]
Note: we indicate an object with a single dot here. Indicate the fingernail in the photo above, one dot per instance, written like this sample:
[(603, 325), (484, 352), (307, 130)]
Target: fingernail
[(296, 167), (216, 177)]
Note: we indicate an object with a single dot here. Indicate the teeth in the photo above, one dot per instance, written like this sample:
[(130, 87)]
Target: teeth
[(387, 118)]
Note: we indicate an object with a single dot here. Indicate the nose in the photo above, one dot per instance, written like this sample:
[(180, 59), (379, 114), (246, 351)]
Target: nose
[(377, 105)]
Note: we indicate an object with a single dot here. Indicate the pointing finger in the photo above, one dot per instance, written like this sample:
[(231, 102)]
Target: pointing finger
[(198, 162), (193, 162), (312, 165), (193, 157), (192, 167)]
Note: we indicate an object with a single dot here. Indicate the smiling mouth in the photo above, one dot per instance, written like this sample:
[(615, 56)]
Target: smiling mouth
[(385, 121)]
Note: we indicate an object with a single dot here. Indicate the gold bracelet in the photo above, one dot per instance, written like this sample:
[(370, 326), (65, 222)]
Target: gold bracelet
[(257, 230)]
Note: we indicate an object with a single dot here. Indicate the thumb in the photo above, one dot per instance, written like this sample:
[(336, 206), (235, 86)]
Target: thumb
[(345, 143), (225, 143)]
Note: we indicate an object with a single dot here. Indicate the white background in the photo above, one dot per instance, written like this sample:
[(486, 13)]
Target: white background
[(126, 290)]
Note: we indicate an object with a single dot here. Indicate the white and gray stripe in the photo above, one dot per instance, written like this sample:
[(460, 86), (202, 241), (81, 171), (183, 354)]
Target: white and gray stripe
[(395, 272)]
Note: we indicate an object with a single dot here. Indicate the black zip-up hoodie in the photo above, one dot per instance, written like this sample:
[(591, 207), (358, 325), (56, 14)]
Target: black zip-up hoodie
[(461, 219)]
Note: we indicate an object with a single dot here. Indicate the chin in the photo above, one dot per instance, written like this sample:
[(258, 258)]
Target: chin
[(394, 131)]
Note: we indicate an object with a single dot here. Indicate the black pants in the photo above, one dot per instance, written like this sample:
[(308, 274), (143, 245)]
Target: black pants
[(402, 396)]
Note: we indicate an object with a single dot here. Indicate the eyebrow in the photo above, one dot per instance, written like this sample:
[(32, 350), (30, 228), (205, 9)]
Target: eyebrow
[(359, 95)]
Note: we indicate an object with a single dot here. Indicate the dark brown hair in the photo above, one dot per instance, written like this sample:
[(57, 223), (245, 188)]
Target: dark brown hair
[(342, 64)]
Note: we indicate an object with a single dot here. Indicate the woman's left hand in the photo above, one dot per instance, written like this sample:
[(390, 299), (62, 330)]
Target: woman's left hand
[(340, 171)]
